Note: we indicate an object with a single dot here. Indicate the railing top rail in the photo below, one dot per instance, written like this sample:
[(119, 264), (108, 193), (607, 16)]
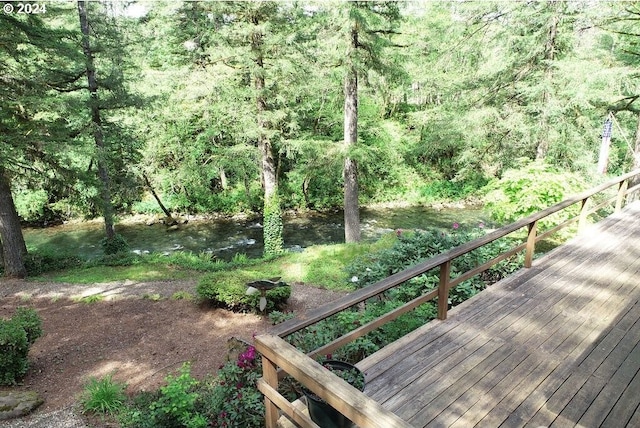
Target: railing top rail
[(295, 324)]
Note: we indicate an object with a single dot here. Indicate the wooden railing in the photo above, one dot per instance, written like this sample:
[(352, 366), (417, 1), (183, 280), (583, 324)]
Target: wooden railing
[(278, 354)]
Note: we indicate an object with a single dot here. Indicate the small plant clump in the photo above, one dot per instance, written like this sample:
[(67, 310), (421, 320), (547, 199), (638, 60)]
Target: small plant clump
[(16, 335), (103, 395)]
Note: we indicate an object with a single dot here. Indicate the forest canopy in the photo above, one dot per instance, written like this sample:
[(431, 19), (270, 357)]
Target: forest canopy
[(204, 106)]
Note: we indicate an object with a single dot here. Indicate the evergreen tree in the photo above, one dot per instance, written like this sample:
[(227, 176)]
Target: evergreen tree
[(32, 131)]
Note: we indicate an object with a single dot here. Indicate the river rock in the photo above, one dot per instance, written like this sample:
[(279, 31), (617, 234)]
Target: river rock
[(14, 404)]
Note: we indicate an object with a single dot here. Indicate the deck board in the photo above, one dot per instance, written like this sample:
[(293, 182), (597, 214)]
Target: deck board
[(553, 345)]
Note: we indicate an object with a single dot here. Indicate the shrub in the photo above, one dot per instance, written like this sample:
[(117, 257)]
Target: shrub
[(30, 321), (16, 335), (532, 188), (415, 247), (40, 262), (235, 400), (103, 395), (115, 245), (229, 290), (175, 405)]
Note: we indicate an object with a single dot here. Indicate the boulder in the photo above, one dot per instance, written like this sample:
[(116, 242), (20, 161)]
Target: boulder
[(14, 404)]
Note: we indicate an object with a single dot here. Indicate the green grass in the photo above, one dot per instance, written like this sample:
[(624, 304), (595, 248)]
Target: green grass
[(98, 274), (103, 395), (319, 265)]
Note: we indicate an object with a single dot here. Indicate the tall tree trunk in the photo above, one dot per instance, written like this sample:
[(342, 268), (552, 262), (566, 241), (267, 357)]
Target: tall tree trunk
[(549, 55), (13, 247), (350, 171), (98, 136), (272, 230)]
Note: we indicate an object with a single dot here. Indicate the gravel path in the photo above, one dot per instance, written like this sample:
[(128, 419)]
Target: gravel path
[(64, 418)]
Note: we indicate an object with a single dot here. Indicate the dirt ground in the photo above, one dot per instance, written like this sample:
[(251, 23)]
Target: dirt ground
[(138, 340)]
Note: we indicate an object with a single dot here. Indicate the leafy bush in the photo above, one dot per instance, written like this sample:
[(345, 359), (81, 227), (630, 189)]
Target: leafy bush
[(532, 188), (115, 245), (40, 262), (31, 204), (230, 400), (438, 190), (414, 247), (16, 335), (229, 290), (175, 405), (103, 395), (30, 321), (235, 400)]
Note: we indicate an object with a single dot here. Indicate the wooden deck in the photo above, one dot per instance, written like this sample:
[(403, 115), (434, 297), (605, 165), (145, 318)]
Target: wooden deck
[(553, 345)]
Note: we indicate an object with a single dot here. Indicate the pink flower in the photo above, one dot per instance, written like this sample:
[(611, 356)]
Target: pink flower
[(456, 225), (398, 232), (481, 225)]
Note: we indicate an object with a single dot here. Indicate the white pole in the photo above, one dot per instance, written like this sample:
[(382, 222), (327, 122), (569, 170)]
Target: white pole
[(604, 147)]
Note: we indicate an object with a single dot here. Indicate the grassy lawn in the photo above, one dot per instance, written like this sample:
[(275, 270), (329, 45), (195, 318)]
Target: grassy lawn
[(320, 265)]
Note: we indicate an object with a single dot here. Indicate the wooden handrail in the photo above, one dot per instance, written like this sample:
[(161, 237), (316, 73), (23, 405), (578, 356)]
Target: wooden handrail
[(277, 354), (295, 324), (355, 405)]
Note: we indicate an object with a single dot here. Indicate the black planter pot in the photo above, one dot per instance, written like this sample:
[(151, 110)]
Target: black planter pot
[(322, 413)]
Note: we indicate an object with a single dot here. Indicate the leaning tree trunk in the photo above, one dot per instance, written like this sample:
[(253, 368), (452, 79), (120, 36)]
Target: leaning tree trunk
[(272, 229), (98, 136), (350, 171), (13, 247)]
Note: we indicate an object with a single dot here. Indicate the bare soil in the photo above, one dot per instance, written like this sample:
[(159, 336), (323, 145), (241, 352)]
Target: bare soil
[(137, 339)]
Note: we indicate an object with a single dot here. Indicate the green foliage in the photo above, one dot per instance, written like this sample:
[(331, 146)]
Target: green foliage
[(533, 187), (16, 335), (115, 245), (31, 204), (30, 321), (13, 352), (273, 241), (39, 262), (439, 190), (103, 395), (175, 405), (229, 290), (93, 298), (408, 250), (235, 401), (231, 400)]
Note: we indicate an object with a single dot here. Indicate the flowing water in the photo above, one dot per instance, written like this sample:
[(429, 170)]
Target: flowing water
[(225, 238)]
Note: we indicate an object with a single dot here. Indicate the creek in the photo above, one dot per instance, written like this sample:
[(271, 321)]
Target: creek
[(224, 238)]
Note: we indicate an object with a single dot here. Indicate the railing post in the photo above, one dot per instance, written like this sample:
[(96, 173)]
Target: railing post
[(531, 244), (270, 375), (443, 290), (582, 221), (622, 189)]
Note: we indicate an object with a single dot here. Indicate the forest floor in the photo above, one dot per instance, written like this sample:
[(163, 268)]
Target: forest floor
[(138, 333)]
